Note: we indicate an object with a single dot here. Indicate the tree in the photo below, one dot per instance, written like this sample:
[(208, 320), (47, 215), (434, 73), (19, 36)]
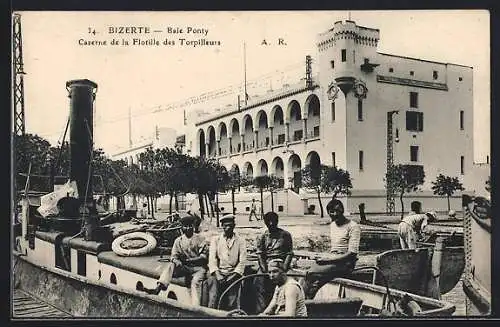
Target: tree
[(403, 179), (262, 182), (34, 150), (275, 183), (312, 179), (234, 182), (336, 180), (446, 185)]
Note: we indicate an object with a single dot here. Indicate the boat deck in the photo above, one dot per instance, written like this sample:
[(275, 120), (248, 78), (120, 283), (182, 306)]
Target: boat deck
[(26, 306)]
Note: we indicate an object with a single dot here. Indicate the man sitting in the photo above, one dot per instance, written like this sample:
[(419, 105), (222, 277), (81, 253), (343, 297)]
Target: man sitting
[(345, 236), (226, 263), (275, 243), (288, 299), (189, 259)]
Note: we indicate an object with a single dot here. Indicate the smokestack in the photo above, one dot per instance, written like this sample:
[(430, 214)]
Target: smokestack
[(82, 95)]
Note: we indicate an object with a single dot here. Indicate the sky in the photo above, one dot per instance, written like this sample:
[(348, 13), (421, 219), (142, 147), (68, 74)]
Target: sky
[(143, 80)]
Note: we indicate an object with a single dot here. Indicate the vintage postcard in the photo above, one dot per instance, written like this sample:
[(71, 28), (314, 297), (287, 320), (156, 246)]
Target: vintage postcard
[(251, 164)]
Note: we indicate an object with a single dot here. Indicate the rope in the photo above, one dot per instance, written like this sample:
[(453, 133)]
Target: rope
[(89, 174), (62, 144), (121, 181)]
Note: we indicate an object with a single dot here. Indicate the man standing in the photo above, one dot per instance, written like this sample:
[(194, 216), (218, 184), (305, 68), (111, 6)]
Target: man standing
[(143, 212), (275, 243), (253, 211), (345, 235), (411, 227), (226, 264), (189, 259), (288, 299)]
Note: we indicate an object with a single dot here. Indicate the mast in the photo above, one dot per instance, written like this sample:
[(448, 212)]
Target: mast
[(245, 72), (18, 76), (129, 128)]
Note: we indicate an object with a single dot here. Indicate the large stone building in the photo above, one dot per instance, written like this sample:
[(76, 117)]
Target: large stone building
[(339, 116)]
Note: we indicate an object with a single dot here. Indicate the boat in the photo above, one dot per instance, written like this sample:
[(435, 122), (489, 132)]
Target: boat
[(477, 276), (67, 260)]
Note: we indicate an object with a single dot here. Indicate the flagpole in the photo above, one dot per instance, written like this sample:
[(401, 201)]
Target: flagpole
[(245, 71), (129, 128)]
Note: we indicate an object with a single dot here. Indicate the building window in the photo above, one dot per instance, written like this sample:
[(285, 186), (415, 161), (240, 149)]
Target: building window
[(354, 56), (413, 100), (297, 135), (360, 160), (397, 134), (460, 79), (413, 153), (414, 121), (412, 73), (391, 70), (343, 54), (333, 111), (360, 110), (462, 165), (316, 131), (435, 74), (332, 63), (461, 119), (333, 159)]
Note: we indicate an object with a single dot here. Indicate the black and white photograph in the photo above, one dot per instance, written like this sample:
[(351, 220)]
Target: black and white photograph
[(250, 164)]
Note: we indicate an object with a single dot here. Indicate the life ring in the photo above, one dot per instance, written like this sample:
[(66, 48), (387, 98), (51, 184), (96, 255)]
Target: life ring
[(117, 245)]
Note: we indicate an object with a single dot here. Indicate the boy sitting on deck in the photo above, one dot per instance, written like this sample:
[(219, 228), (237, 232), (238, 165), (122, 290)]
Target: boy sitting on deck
[(288, 299), (189, 259)]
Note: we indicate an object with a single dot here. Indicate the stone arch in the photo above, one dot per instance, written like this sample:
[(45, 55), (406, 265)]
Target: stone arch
[(236, 168), (234, 135), (262, 129), (312, 113), (201, 142), (277, 123), (234, 128), (223, 140), (313, 159), (278, 169), (222, 130), (212, 143), (247, 125), (294, 167), (296, 132), (262, 167), (293, 112), (314, 162), (248, 170)]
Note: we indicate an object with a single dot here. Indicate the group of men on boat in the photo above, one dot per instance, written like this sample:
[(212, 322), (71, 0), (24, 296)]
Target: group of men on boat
[(222, 261)]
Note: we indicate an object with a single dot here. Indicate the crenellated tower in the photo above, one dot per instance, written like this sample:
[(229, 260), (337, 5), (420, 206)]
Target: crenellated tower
[(348, 53)]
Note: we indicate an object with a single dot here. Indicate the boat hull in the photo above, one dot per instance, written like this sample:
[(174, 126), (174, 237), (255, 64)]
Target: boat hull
[(82, 298), (477, 276)]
